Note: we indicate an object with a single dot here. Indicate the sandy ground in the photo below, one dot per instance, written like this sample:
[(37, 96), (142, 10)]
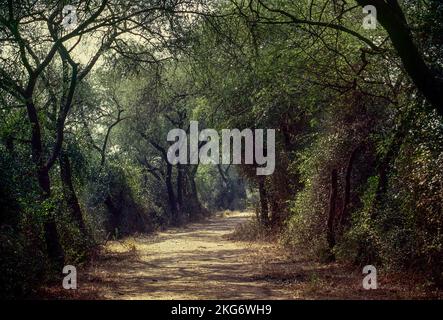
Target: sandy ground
[(200, 261), (195, 262)]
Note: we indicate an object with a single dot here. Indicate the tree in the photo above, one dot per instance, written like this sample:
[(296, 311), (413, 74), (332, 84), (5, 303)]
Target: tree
[(390, 15)]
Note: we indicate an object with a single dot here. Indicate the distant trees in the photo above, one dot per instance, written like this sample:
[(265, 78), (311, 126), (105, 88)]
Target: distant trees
[(52, 124), (168, 107), (341, 100), (41, 69), (85, 113)]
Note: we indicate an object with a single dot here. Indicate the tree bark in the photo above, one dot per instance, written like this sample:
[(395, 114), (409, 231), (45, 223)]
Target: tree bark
[(330, 236), (194, 191), (69, 191), (114, 220), (196, 207), (391, 17), (344, 216), (171, 196), (275, 209), (385, 163), (175, 213), (264, 211), (180, 188), (52, 239)]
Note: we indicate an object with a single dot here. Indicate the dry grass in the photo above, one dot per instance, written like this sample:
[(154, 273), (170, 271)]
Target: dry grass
[(227, 213), (201, 261), (309, 279), (248, 231)]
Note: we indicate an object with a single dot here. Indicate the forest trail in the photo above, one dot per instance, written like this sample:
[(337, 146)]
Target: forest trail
[(193, 262), (200, 261)]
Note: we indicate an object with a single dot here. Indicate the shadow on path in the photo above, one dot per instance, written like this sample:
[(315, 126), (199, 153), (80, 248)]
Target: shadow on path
[(195, 262)]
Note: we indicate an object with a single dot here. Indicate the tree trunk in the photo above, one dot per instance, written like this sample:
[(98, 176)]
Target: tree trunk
[(344, 216), (180, 190), (171, 196), (264, 211), (275, 210), (52, 239), (391, 17), (194, 192), (69, 191), (114, 220), (330, 237), (385, 163), (196, 207)]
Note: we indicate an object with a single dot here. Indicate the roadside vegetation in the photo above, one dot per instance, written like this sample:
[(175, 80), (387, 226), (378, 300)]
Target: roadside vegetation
[(84, 115)]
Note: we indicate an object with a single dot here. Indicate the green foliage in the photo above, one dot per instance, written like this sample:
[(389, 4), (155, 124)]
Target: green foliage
[(217, 192), (330, 98), (361, 244)]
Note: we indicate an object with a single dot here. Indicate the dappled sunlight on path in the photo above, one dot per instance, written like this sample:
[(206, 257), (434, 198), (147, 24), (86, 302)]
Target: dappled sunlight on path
[(195, 262)]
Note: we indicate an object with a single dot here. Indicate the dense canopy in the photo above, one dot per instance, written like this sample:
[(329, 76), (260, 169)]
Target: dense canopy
[(88, 94)]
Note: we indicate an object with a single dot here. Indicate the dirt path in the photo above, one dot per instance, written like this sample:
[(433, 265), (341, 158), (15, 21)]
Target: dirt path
[(200, 262), (196, 262)]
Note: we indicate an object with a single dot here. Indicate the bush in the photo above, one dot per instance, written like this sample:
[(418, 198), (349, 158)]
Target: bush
[(251, 230)]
